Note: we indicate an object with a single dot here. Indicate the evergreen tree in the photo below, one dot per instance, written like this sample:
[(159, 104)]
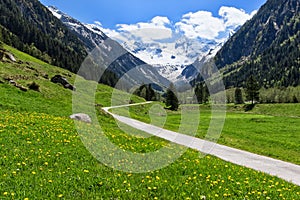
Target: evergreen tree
[(198, 93), (150, 93), (205, 93), (295, 100), (171, 98), (1, 43), (238, 96), (202, 93), (146, 92), (252, 89)]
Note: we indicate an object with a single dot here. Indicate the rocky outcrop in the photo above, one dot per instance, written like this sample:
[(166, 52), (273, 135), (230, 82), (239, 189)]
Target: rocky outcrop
[(63, 81), (6, 56)]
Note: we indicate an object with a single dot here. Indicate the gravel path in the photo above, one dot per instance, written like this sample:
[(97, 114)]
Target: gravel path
[(287, 171)]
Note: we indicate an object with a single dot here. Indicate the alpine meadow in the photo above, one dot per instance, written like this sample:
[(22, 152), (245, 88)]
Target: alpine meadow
[(193, 103)]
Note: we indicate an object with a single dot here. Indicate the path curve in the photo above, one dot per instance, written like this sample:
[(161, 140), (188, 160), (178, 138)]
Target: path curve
[(287, 171)]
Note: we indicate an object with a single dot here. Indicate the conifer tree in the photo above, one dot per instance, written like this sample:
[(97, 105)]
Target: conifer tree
[(171, 99), (252, 89), (238, 96)]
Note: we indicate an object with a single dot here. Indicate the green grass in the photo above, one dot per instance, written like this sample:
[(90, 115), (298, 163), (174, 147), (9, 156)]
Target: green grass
[(42, 155), (52, 98), (272, 130)]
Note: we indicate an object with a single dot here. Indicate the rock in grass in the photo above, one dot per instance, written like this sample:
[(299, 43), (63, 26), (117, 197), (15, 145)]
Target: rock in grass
[(63, 81), (4, 55), (81, 117)]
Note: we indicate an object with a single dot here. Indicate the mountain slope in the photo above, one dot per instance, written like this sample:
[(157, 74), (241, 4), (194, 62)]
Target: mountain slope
[(116, 62), (266, 46), (30, 27)]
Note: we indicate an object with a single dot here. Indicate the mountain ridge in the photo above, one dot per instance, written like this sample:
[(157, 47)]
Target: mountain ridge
[(267, 46), (30, 27), (117, 62)]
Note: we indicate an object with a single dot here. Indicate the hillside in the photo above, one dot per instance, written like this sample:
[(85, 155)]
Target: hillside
[(117, 63), (43, 155), (28, 26), (266, 46), (51, 98)]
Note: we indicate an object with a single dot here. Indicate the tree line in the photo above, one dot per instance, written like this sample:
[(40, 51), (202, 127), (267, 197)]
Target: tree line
[(38, 33)]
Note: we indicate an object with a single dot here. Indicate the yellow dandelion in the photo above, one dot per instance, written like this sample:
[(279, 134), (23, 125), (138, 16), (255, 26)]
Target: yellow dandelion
[(60, 195), (5, 193)]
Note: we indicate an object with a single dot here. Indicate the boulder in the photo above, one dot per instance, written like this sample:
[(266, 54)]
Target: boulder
[(63, 81), (81, 117), (4, 55)]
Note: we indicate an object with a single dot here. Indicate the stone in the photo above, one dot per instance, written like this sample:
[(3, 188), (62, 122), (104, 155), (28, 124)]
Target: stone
[(81, 117), (63, 81)]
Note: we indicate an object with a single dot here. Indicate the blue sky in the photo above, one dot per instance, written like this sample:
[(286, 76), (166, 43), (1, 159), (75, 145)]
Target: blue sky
[(177, 27), (112, 12)]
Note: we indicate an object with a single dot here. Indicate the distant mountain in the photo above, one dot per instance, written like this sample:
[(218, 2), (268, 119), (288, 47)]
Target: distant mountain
[(267, 46), (179, 50), (119, 63), (90, 35), (28, 26)]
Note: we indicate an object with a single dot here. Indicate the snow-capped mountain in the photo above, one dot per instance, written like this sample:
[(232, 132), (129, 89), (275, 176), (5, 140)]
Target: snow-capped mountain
[(178, 51), (171, 59), (114, 58), (90, 35)]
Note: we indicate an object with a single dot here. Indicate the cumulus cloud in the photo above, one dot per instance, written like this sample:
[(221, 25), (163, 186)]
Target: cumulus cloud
[(233, 16), (200, 24), (179, 38), (156, 29), (193, 25)]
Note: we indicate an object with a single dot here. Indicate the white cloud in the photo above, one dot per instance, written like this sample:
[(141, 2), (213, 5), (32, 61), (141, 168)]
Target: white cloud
[(233, 16), (156, 29), (160, 34), (200, 24)]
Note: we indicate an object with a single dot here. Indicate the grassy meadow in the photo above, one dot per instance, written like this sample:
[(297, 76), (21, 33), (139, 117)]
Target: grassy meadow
[(269, 129), (43, 156)]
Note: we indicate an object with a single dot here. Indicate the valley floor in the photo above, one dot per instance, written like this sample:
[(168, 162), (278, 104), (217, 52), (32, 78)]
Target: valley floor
[(287, 171)]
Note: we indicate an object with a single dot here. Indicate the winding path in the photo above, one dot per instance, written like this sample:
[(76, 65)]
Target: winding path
[(287, 171)]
